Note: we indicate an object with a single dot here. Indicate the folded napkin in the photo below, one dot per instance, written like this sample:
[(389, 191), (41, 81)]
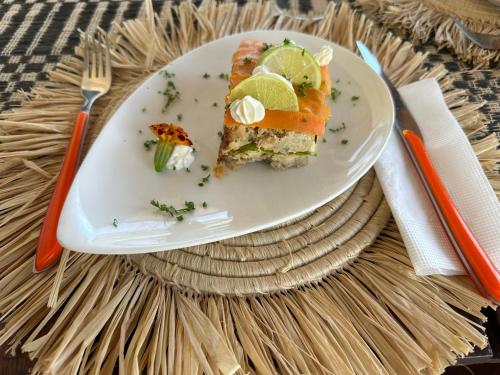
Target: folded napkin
[(429, 249)]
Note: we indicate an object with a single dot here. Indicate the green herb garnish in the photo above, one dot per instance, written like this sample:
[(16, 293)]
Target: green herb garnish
[(220, 134), (304, 119), (324, 140), (334, 93), (172, 211), (188, 170), (204, 180), (204, 167), (286, 41), (266, 47), (115, 223), (303, 51), (344, 141), (144, 109), (170, 93), (224, 76), (196, 100), (336, 130), (304, 85), (215, 104), (179, 117), (204, 204), (206, 76), (354, 98), (149, 143), (167, 74), (247, 60)]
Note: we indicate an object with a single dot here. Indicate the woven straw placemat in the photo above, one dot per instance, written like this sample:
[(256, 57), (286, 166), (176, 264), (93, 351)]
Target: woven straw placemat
[(331, 292), (426, 20)]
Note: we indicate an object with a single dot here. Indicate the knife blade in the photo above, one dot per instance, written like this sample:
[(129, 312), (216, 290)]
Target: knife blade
[(476, 262)]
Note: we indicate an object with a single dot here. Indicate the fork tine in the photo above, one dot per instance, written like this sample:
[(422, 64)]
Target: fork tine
[(108, 58), (95, 52), (86, 61), (100, 57)]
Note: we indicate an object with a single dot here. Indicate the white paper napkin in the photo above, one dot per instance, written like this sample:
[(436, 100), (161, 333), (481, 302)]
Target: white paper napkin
[(429, 249)]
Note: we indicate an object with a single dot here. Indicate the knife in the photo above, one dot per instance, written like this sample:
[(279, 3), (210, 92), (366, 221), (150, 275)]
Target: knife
[(477, 264)]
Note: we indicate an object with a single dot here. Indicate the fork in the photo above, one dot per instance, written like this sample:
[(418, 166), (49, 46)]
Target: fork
[(487, 41), (96, 81)]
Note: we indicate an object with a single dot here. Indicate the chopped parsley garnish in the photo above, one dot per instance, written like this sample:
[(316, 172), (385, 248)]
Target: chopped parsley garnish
[(206, 76), (144, 109), (306, 77), (140, 131), (167, 74), (204, 167), (226, 107), (188, 170), (354, 98), (174, 168), (149, 143), (304, 119), (224, 76), (304, 85), (340, 128), (215, 104), (179, 117), (204, 204), (196, 100), (324, 140), (286, 41), (220, 134), (337, 81), (344, 141), (170, 93), (204, 180), (334, 93), (303, 51), (172, 211), (115, 223), (247, 60), (266, 47), (285, 77)]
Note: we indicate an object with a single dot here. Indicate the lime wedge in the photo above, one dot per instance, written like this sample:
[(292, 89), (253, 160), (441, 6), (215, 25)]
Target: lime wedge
[(294, 62), (273, 92)]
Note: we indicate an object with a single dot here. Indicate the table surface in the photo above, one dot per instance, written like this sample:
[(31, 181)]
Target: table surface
[(35, 36)]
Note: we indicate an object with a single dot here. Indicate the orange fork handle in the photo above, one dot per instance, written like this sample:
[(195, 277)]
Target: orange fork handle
[(478, 265), (48, 250)]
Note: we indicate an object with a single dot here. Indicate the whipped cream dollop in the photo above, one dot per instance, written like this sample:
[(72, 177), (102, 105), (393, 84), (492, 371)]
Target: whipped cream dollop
[(247, 110), (324, 56), (182, 157), (264, 70)]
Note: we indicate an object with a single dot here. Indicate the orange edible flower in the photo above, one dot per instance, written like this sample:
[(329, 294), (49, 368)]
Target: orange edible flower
[(171, 133)]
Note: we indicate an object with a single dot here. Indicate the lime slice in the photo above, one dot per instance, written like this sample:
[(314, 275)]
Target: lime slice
[(272, 92), (294, 62)]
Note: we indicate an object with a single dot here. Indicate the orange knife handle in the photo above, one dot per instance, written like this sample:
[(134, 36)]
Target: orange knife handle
[(478, 265), (48, 250)]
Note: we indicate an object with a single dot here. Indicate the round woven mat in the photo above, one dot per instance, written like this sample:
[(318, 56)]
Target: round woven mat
[(295, 253)]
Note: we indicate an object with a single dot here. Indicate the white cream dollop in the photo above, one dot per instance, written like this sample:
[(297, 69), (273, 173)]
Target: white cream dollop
[(182, 157), (247, 110), (324, 56), (261, 70)]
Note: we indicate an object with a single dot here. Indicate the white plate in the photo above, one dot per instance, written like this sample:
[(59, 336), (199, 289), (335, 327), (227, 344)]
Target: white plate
[(117, 180)]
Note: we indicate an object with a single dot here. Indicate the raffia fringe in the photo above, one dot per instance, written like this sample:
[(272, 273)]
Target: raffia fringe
[(93, 313), (424, 22)]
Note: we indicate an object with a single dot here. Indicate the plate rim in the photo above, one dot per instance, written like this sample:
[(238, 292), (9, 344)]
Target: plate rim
[(95, 248)]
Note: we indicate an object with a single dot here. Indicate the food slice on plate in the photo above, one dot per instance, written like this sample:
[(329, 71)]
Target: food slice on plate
[(276, 106)]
